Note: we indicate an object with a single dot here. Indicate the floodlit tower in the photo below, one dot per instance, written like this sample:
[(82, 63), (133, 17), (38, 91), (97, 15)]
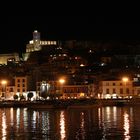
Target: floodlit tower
[(36, 40), (36, 36)]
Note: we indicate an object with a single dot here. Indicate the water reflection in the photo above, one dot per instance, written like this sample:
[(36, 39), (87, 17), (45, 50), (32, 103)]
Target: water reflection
[(82, 125), (126, 126), (107, 119), (99, 117), (62, 126), (45, 123), (99, 123), (12, 117), (18, 118), (25, 119), (4, 126)]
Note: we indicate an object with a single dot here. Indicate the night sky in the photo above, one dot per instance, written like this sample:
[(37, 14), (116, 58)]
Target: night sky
[(16, 31)]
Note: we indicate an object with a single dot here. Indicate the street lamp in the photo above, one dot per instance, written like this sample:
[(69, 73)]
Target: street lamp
[(4, 83), (61, 81), (125, 80)]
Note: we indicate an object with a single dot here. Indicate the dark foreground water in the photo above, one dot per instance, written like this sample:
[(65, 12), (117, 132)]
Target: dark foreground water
[(97, 123)]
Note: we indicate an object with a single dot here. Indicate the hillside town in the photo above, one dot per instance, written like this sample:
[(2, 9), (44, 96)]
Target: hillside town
[(71, 69)]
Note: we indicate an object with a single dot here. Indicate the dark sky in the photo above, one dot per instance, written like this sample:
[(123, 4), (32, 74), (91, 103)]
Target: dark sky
[(16, 31)]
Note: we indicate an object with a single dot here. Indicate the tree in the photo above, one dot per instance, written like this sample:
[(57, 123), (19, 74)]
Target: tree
[(30, 95), (22, 97), (15, 97)]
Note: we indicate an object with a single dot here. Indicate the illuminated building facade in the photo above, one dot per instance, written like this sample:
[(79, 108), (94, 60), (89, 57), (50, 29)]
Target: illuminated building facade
[(66, 91), (76, 91), (8, 58), (36, 44), (116, 89), (45, 87), (21, 85)]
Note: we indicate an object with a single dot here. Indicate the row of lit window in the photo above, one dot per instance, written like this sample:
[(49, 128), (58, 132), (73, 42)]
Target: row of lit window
[(43, 42), (58, 55), (114, 84), (48, 42), (23, 85), (108, 91), (12, 89), (20, 80), (75, 90), (23, 90)]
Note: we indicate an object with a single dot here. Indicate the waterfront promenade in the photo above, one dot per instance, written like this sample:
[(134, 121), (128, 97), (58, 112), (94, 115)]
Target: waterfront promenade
[(50, 104)]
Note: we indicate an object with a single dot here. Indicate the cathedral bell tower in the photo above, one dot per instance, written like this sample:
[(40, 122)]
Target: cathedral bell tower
[(36, 40)]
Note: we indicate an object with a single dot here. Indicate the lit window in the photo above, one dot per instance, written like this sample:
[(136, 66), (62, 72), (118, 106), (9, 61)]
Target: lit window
[(114, 84), (31, 42), (121, 91), (107, 91), (11, 89), (114, 90), (90, 51), (127, 91)]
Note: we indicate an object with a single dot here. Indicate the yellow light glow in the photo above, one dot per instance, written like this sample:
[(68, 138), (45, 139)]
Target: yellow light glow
[(126, 127), (3, 82), (62, 81), (82, 94), (62, 126), (125, 79), (82, 65), (107, 96), (4, 126)]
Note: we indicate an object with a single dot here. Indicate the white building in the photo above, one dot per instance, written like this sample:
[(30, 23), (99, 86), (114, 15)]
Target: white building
[(21, 85), (116, 89), (36, 44)]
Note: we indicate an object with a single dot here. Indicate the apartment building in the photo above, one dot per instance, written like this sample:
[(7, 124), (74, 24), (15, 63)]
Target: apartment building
[(116, 89), (21, 85)]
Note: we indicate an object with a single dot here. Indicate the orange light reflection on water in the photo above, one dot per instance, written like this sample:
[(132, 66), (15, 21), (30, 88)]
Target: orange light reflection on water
[(62, 126), (126, 126), (82, 115), (4, 127)]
